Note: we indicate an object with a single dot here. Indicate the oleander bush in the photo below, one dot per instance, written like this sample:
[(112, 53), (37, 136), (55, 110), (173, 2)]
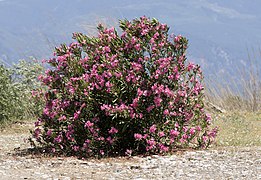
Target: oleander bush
[(123, 94), (16, 85)]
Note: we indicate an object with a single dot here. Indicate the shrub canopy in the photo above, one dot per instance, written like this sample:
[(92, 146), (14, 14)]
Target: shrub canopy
[(130, 93)]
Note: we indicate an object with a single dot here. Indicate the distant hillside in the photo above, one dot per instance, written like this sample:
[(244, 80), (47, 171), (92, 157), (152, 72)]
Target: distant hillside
[(219, 32)]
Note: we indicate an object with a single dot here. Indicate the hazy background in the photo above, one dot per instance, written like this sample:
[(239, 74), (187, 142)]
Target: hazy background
[(219, 31)]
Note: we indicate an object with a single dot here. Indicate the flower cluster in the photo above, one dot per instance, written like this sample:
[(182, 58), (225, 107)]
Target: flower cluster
[(123, 94)]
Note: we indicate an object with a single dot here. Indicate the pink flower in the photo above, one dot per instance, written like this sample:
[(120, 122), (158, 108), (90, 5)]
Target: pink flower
[(161, 44), (148, 148), (71, 89), (213, 132), (175, 70), (109, 139), (34, 93), (197, 89), (156, 35), (38, 122), (151, 142), (137, 47), (166, 122), (171, 77), (182, 93), (153, 128), (46, 111), (88, 124), (184, 136), (123, 34), (163, 26), (171, 140), (145, 93), (177, 76), (177, 38), (118, 74), (163, 148), (122, 107), (191, 66), (37, 131), (135, 103), (140, 115), (198, 128), (108, 84), (208, 118), (102, 152), (157, 74), (145, 136), (152, 40), (49, 132), (166, 112), (192, 130), (76, 115), (58, 139), (63, 117), (205, 138), (185, 128), (161, 134), (150, 108), (103, 107), (132, 114), (100, 138), (69, 135), (139, 92), (133, 40), (113, 130), (76, 148), (128, 152), (137, 136), (174, 133), (173, 114), (188, 116), (106, 49), (157, 101), (85, 92), (144, 32), (136, 66), (40, 77), (160, 89), (182, 140), (114, 64), (168, 92)]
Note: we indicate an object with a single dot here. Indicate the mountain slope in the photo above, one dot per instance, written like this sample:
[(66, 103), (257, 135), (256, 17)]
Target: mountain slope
[(219, 32)]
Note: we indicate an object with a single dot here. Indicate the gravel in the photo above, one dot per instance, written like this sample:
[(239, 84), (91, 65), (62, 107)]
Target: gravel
[(219, 163)]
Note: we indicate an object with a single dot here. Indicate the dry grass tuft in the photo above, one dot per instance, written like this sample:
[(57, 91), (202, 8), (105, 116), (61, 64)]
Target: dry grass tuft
[(238, 128)]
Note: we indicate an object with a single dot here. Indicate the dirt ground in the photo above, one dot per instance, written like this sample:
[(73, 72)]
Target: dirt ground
[(218, 163)]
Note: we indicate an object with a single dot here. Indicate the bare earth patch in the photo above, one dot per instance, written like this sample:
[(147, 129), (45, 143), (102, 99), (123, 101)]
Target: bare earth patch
[(217, 163)]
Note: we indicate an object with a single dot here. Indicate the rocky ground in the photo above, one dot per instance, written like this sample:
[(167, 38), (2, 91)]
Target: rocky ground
[(216, 163)]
